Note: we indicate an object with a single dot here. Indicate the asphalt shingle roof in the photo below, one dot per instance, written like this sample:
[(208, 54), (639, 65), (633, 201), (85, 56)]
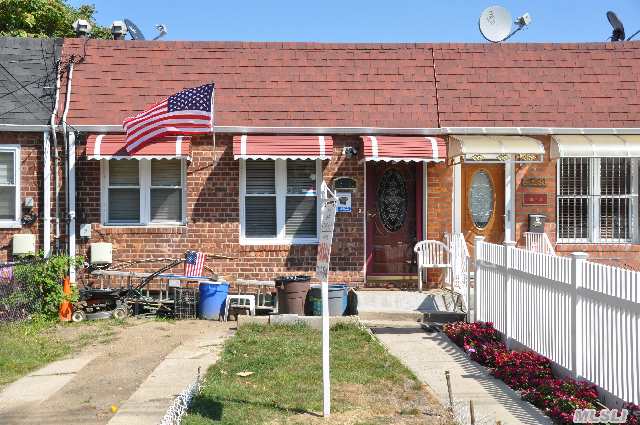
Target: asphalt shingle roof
[(27, 79), (381, 85)]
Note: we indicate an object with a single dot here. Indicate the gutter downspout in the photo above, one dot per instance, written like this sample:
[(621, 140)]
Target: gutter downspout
[(47, 178), (46, 189), (70, 196)]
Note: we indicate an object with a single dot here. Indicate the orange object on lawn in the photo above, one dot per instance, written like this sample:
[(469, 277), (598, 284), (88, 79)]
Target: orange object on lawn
[(65, 306)]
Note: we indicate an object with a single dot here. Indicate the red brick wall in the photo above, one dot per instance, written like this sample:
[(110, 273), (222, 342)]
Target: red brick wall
[(213, 220), (621, 255), (30, 185)]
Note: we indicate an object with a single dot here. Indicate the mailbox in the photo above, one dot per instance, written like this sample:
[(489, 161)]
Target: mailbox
[(536, 223)]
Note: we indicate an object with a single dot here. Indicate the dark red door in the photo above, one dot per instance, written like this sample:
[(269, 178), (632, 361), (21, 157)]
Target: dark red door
[(391, 218)]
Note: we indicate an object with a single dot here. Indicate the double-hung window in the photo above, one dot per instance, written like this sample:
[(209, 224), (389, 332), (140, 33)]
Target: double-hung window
[(9, 186), (597, 200), (141, 192), (279, 201)]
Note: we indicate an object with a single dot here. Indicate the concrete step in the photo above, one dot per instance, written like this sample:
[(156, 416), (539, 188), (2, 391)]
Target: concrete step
[(395, 302), (391, 316)]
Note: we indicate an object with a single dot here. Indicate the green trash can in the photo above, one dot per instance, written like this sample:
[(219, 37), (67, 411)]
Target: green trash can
[(337, 300)]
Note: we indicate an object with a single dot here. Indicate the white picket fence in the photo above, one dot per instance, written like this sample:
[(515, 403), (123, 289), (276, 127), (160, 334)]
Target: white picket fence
[(584, 316)]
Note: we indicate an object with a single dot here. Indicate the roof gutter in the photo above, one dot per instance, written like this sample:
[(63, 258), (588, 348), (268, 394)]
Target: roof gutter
[(380, 131), (27, 127)]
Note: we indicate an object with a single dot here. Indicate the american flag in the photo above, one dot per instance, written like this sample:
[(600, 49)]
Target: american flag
[(193, 264), (187, 112)]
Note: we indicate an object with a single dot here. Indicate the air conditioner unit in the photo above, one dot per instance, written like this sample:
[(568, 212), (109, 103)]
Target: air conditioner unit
[(24, 244), (101, 253)]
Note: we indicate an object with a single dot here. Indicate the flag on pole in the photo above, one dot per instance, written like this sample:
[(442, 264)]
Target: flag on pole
[(187, 112), (194, 263)]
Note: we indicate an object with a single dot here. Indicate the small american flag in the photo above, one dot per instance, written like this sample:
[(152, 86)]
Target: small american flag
[(187, 112), (194, 262)]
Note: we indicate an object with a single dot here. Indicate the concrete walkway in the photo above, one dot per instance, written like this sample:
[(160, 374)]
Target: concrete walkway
[(428, 355), (148, 405)]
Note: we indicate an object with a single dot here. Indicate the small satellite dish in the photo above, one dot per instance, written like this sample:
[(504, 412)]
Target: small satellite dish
[(495, 24), (618, 28), (133, 30), (162, 31)]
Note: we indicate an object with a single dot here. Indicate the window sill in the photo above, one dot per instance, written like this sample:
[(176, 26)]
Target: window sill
[(277, 242), (142, 226), (597, 246), (10, 225)]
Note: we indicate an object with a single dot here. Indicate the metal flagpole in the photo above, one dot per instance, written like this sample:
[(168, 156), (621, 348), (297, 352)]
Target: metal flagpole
[(327, 222)]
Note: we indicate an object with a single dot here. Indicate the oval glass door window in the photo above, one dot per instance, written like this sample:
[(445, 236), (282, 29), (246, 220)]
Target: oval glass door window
[(481, 195)]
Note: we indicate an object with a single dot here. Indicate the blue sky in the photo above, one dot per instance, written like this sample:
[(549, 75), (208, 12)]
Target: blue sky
[(362, 21)]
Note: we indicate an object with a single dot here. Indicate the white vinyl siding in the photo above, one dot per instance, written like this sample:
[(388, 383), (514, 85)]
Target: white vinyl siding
[(597, 200), (279, 201), (143, 192), (9, 186)]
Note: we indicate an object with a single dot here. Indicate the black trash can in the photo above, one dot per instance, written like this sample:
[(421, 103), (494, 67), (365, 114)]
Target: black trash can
[(292, 293), (536, 223)]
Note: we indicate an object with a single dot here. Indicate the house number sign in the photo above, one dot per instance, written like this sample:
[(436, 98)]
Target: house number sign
[(534, 182)]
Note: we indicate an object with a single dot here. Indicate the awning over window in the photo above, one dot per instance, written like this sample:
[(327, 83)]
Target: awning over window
[(496, 148), (595, 146), (282, 147), (112, 146), (410, 148)]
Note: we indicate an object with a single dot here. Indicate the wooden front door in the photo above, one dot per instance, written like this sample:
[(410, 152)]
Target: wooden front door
[(483, 202), (391, 218)]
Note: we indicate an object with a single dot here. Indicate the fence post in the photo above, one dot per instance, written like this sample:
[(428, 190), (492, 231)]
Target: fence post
[(477, 246), (577, 261), (508, 308)]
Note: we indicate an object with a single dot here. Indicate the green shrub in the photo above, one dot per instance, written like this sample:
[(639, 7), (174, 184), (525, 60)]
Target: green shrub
[(42, 281)]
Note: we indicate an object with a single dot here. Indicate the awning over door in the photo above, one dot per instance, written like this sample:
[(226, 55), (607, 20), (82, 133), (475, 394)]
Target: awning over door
[(282, 147), (595, 146), (498, 148), (409, 148), (112, 146)]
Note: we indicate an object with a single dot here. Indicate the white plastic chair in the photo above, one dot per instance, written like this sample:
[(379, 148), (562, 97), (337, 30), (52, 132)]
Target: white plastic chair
[(251, 306), (431, 255)]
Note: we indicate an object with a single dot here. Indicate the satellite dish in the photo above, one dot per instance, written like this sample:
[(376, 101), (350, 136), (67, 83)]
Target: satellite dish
[(162, 31), (133, 30), (495, 24), (618, 28)]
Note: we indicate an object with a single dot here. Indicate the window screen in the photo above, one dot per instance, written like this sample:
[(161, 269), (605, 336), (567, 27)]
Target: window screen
[(124, 191), (7, 187), (260, 211), (166, 191)]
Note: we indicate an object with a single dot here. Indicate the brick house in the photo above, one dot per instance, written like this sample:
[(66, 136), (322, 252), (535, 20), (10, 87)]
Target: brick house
[(27, 97), (425, 139)]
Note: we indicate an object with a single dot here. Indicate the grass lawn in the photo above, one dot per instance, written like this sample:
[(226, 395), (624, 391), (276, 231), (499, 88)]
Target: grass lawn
[(28, 345), (369, 386)]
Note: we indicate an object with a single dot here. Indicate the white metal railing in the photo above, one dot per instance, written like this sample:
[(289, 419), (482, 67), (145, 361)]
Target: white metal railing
[(584, 316), (538, 242)]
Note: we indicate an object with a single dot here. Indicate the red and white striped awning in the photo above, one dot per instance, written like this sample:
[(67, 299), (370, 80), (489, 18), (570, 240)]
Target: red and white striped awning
[(404, 148), (282, 147), (112, 146)]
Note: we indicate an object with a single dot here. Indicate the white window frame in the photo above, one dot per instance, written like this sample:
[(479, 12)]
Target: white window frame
[(17, 221), (144, 173), (281, 202), (593, 198)]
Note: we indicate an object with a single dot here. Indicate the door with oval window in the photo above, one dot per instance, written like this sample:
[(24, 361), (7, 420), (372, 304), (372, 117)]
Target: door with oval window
[(483, 202), (391, 219)]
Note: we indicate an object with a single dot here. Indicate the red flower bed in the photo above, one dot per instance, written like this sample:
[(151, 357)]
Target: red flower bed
[(527, 372)]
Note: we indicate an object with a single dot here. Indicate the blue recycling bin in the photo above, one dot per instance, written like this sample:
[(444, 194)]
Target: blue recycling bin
[(213, 296)]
